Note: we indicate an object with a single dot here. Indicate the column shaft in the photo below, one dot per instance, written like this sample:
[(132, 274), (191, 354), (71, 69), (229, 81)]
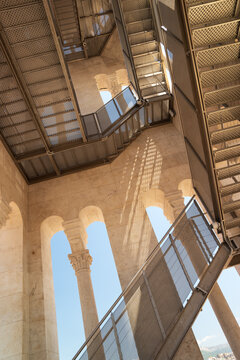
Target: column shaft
[(81, 262), (226, 319)]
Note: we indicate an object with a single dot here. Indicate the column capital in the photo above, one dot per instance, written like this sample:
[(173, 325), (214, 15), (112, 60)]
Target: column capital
[(4, 212), (81, 260)]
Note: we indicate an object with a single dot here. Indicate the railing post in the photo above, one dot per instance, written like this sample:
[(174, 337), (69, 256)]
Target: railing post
[(181, 262), (116, 338), (97, 123)]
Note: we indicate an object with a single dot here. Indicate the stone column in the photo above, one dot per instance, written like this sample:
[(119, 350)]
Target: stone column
[(81, 262), (217, 300), (226, 319)]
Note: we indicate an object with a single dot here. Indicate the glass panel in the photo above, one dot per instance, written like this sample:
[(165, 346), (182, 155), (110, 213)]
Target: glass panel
[(107, 115), (125, 101), (91, 126)]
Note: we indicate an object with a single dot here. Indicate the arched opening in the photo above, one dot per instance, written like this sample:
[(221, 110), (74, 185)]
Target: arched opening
[(13, 297), (104, 274), (68, 311)]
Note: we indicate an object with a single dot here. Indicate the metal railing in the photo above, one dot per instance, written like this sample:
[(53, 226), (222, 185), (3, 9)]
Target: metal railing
[(142, 317), (98, 123)]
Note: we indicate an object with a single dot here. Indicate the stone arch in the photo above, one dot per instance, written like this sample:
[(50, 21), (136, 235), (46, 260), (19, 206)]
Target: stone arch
[(156, 197), (48, 228), (13, 297), (90, 214)]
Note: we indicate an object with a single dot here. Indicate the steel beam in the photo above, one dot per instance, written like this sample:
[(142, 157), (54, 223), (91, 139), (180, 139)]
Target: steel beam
[(57, 41), (16, 71)]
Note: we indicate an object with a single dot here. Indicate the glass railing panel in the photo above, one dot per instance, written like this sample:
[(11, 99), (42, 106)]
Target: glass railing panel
[(91, 125), (125, 101), (107, 115), (139, 321)]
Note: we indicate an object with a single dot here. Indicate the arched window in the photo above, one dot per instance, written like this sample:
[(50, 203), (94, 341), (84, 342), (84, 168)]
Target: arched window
[(104, 274), (106, 96), (68, 310)]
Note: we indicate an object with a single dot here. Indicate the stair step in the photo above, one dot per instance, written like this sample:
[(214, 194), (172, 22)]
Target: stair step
[(226, 154), (232, 206), (137, 15), (148, 57), (229, 171), (224, 115), (148, 68), (222, 96), (137, 26), (153, 89), (129, 5), (144, 48), (232, 223), (141, 37), (145, 81), (225, 74), (225, 135), (230, 189), (210, 11)]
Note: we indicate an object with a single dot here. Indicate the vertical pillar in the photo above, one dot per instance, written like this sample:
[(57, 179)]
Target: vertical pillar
[(217, 300), (81, 262)]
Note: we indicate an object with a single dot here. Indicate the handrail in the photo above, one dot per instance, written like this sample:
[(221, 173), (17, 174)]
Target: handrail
[(132, 282), (113, 101)]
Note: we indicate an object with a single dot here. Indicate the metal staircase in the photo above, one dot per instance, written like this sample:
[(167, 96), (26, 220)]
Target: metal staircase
[(140, 325), (144, 47), (69, 26), (214, 32)]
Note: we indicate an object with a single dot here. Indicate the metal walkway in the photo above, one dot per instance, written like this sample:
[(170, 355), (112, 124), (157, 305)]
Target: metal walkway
[(138, 326), (214, 32)]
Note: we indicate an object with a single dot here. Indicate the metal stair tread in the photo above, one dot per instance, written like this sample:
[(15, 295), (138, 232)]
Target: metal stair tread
[(148, 64), (138, 21), (228, 171), (232, 223), (150, 74), (146, 53), (226, 134), (135, 10), (230, 189), (231, 206), (144, 43), (146, 86), (226, 154)]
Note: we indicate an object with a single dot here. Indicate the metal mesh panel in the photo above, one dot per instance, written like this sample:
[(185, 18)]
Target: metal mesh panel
[(43, 100), (225, 115), (22, 15), (39, 61), (37, 30), (222, 96), (226, 74), (43, 74), (33, 47), (215, 34), (31, 167), (11, 96), (125, 101), (50, 86), (211, 11), (218, 55)]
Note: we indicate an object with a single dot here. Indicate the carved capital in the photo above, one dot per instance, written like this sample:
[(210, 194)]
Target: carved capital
[(4, 212), (80, 261)]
